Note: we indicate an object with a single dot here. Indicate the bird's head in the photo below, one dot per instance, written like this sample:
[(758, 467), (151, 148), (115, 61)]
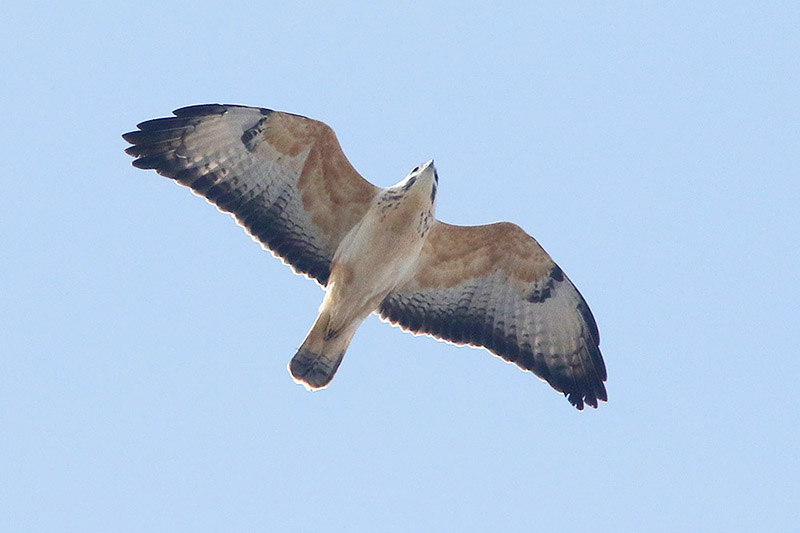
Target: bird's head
[(422, 178)]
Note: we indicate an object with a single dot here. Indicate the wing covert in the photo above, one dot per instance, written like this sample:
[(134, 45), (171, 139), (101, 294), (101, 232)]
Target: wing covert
[(283, 177), (494, 286)]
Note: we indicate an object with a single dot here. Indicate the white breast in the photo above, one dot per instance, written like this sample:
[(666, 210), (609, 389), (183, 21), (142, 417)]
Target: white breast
[(378, 254)]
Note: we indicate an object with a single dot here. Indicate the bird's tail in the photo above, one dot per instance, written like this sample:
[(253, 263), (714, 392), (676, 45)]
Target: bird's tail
[(320, 355)]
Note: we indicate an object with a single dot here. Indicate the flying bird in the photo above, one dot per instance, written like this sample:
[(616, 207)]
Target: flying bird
[(286, 180)]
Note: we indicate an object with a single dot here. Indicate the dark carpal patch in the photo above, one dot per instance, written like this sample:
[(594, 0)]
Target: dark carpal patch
[(250, 137), (544, 289)]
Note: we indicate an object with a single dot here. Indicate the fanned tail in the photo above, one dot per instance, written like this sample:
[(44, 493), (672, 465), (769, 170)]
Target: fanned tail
[(314, 370), (320, 355)]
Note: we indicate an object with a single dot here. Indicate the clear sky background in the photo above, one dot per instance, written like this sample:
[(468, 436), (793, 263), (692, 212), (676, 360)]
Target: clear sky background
[(651, 148)]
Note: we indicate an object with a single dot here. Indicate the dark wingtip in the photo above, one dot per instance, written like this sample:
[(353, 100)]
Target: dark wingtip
[(602, 394), (200, 110), (577, 400), (155, 162), (592, 397), (164, 123)]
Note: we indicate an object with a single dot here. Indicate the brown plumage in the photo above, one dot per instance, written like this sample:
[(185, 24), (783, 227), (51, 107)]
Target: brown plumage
[(285, 178)]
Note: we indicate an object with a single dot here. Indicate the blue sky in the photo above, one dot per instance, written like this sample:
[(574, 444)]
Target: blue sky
[(652, 149)]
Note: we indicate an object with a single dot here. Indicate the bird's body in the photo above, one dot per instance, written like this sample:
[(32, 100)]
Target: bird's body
[(375, 250), (375, 257)]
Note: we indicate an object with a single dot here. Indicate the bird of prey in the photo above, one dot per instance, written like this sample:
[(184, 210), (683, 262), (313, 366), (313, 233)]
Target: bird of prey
[(286, 180)]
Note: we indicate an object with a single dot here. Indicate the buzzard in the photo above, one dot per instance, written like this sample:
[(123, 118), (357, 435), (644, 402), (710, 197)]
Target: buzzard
[(286, 180)]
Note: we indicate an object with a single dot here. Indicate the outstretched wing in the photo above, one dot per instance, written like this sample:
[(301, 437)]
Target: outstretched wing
[(494, 286), (283, 177)]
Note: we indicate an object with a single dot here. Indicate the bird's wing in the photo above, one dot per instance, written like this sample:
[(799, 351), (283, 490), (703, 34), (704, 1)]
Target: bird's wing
[(283, 177), (494, 286)]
